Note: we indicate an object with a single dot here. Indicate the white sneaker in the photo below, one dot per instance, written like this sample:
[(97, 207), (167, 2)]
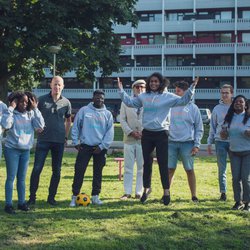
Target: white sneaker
[(96, 201), (73, 201)]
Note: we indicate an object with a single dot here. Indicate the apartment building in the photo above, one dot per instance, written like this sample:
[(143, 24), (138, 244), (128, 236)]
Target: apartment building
[(182, 39)]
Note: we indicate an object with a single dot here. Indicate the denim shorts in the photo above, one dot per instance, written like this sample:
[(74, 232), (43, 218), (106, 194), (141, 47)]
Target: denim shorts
[(180, 151)]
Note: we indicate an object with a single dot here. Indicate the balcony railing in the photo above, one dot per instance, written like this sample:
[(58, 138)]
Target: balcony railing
[(172, 71), (187, 48), (187, 4), (205, 94)]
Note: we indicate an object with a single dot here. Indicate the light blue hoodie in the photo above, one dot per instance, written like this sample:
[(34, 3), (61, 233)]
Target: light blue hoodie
[(186, 124), (21, 126), (238, 141), (217, 120), (156, 106), (93, 126)]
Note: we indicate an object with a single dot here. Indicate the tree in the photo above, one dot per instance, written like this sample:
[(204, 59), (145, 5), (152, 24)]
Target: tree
[(83, 28)]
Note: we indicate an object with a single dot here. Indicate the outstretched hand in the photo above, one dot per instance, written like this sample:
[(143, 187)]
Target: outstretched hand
[(196, 80), (119, 84)]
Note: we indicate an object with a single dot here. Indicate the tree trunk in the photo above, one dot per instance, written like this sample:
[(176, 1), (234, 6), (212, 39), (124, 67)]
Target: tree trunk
[(3, 89), (4, 77)]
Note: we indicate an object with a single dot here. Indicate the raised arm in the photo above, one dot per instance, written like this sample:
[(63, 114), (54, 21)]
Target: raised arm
[(186, 98), (129, 101)]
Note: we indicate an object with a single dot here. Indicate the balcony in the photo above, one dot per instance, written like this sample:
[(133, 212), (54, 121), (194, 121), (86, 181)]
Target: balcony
[(171, 71), (183, 71), (113, 93), (206, 25), (187, 49), (187, 4)]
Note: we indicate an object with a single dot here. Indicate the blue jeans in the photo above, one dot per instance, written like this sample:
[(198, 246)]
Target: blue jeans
[(17, 162), (222, 150), (42, 150)]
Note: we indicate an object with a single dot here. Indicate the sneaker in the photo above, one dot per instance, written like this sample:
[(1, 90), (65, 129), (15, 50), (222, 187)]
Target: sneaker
[(239, 205), (9, 209), (138, 196), (145, 195), (247, 207), (23, 207), (73, 201), (125, 197), (195, 199), (165, 199), (223, 197), (52, 202), (31, 201), (95, 200)]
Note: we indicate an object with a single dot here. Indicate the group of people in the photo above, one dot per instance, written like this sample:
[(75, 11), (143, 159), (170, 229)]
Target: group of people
[(152, 119), (172, 125), (50, 118)]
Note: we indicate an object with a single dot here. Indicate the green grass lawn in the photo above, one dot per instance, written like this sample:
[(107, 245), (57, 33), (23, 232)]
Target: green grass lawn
[(210, 224)]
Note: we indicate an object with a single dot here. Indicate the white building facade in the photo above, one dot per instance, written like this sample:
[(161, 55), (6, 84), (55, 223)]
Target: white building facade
[(182, 39)]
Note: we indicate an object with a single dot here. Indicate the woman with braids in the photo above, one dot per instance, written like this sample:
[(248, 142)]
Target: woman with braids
[(156, 103), (20, 120), (236, 127)]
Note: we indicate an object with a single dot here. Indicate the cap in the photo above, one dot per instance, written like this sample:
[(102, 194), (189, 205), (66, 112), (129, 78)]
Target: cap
[(140, 81)]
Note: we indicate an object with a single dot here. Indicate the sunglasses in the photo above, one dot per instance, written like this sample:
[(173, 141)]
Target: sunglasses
[(139, 87)]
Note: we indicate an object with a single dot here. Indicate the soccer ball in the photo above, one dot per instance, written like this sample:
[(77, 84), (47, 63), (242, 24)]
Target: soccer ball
[(82, 200)]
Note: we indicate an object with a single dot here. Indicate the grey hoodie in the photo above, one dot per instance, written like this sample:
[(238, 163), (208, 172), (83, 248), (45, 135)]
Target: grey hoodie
[(217, 119), (21, 126), (238, 141), (156, 106), (186, 124), (93, 127)]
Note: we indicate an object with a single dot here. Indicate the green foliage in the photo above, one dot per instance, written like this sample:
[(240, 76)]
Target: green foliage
[(127, 224), (83, 29)]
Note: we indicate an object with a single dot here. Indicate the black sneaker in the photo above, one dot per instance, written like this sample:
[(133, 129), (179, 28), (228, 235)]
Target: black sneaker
[(52, 202), (145, 195), (238, 205), (247, 207), (23, 207), (195, 199), (223, 197), (165, 199), (31, 202), (9, 209)]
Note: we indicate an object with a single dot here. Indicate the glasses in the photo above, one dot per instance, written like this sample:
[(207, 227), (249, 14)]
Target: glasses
[(139, 87), (225, 93)]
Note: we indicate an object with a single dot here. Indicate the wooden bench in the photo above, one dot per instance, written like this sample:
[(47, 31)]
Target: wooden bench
[(120, 161)]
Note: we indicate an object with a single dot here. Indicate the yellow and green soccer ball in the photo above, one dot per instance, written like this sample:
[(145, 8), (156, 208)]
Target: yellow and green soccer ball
[(82, 199)]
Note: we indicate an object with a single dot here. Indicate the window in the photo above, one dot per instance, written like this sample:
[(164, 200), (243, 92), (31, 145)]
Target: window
[(246, 14), (226, 38), (172, 39), (145, 61), (223, 15), (126, 61), (149, 39), (149, 17), (245, 60), (246, 37)]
